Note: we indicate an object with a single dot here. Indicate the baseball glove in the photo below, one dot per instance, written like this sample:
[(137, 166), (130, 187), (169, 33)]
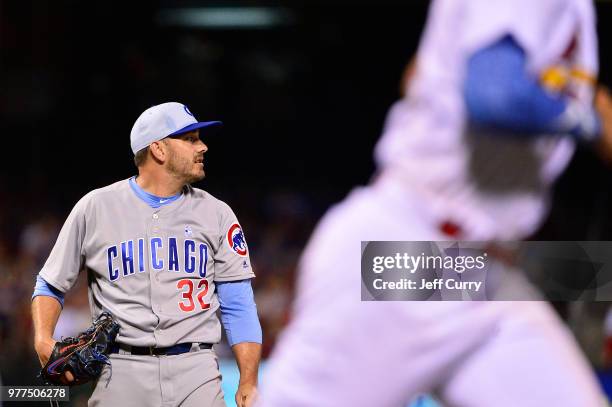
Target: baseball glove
[(84, 355)]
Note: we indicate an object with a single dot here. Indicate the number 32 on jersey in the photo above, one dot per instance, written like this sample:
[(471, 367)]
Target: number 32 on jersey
[(191, 290)]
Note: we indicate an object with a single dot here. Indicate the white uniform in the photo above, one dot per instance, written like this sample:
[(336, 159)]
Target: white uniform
[(485, 182), (340, 351)]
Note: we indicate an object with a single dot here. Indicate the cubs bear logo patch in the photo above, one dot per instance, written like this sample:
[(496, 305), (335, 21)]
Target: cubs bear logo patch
[(235, 239)]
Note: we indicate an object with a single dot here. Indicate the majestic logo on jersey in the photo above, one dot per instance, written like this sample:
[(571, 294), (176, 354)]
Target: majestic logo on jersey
[(235, 239), (188, 231)]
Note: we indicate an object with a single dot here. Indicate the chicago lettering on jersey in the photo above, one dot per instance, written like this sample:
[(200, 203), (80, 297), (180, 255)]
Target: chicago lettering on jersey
[(130, 257)]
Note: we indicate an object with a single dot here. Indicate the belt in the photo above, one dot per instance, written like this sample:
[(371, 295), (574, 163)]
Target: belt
[(153, 351)]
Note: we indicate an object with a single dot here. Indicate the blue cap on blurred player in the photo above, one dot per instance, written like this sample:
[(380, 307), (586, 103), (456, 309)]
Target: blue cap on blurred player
[(161, 121)]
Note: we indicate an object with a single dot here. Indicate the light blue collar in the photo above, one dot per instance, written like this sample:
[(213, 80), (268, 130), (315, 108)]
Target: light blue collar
[(153, 201)]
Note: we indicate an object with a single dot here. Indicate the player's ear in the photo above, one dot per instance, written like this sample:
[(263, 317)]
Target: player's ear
[(158, 150)]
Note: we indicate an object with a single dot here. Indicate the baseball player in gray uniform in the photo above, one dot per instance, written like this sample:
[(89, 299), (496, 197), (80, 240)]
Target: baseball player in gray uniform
[(162, 257)]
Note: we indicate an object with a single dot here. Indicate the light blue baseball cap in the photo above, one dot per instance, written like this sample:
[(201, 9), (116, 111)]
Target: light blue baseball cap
[(161, 121)]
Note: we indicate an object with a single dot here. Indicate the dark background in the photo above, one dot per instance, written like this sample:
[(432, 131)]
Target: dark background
[(303, 103)]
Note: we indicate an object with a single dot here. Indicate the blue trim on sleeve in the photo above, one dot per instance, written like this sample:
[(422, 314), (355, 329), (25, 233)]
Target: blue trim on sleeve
[(239, 312), (500, 93), (46, 289), (153, 201)]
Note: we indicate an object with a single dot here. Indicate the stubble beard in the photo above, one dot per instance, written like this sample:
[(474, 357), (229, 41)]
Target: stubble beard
[(183, 169)]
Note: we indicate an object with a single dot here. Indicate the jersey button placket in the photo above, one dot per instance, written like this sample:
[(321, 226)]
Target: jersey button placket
[(155, 230)]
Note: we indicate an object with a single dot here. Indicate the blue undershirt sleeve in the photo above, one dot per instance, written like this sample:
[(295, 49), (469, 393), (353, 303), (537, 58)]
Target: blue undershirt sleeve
[(239, 312), (500, 93), (46, 289)]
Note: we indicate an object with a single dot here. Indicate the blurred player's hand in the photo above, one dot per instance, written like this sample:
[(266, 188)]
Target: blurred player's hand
[(246, 395), (44, 349), (603, 105)]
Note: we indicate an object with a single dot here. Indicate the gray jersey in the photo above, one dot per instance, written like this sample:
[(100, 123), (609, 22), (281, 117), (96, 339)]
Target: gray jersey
[(153, 269)]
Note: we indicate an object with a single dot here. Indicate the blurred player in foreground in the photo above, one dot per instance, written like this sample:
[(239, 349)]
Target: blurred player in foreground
[(526, 72)]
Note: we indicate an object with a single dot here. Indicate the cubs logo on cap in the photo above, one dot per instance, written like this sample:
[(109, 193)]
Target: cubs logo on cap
[(188, 111), (161, 121), (235, 239)]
